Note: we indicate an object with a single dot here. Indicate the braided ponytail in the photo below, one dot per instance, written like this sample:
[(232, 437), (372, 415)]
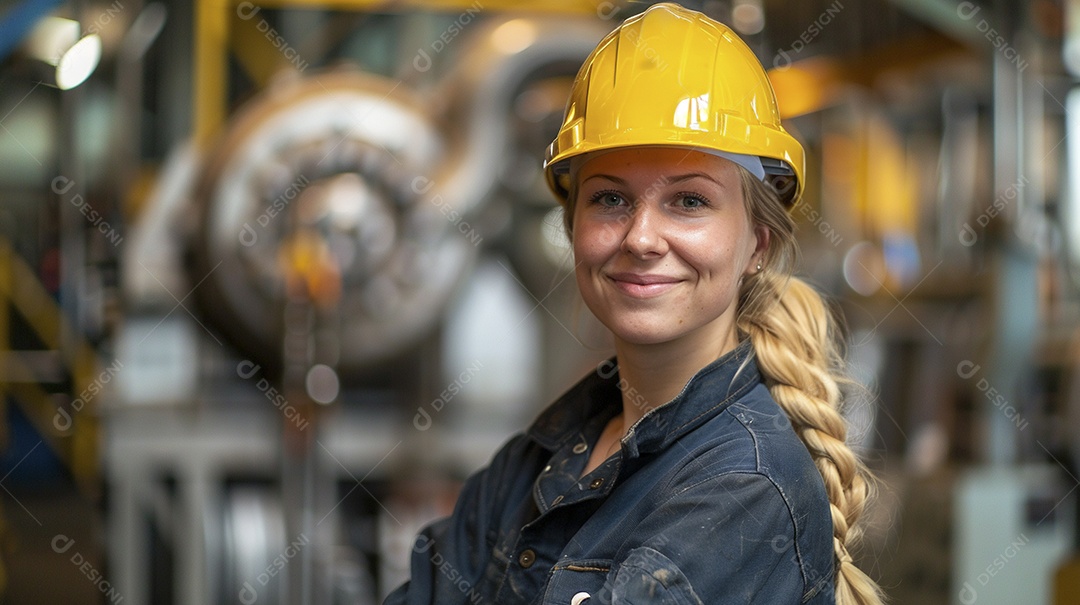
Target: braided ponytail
[(796, 344)]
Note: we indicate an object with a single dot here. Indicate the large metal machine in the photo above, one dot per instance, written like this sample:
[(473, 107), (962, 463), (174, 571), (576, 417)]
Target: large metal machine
[(323, 234)]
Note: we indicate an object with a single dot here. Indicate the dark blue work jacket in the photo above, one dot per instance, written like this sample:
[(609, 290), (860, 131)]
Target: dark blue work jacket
[(712, 498)]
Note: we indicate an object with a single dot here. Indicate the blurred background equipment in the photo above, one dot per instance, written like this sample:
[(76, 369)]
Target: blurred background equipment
[(340, 161), (322, 235), (276, 276)]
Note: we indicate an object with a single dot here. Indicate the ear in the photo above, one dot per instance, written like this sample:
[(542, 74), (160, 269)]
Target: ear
[(761, 239)]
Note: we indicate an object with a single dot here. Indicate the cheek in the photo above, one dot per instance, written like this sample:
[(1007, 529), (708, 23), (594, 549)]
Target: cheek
[(718, 254), (582, 247), (591, 242)]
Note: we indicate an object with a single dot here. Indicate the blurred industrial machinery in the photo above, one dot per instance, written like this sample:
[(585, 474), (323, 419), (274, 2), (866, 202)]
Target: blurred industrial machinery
[(271, 357), (323, 232)]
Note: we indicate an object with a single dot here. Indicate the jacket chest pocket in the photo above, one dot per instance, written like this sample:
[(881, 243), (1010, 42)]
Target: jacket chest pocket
[(578, 583)]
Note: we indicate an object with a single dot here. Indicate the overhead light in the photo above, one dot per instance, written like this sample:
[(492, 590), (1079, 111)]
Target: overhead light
[(748, 17), (514, 36), (56, 42)]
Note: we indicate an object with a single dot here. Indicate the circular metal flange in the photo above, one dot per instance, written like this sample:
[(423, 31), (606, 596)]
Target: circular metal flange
[(325, 181)]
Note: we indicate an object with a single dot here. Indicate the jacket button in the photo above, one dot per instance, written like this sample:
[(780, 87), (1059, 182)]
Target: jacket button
[(527, 558), (596, 483), (580, 448)]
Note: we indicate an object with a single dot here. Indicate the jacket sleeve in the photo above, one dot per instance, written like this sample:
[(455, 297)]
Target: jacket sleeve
[(450, 556), (728, 539)]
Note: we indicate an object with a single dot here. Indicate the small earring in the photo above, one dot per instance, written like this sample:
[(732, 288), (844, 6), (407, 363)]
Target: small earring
[(759, 267)]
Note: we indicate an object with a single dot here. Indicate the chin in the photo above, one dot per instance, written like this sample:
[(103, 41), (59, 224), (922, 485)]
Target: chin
[(645, 333), (664, 325)]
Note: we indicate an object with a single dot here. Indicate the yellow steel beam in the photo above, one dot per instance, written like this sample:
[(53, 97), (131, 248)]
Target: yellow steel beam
[(580, 7), (211, 40), (807, 86), (85, 461), (20, 287), (814, 83), (30, 298), (77, 449), (256, 54)]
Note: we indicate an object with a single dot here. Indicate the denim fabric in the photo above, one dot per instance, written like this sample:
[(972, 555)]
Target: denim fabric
[(712, 498)]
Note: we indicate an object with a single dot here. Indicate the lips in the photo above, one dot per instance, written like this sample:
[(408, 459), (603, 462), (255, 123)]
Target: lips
[(643, 285)]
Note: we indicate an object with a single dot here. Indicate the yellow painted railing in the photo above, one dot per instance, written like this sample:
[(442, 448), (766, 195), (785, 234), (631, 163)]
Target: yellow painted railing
[(76, 445)]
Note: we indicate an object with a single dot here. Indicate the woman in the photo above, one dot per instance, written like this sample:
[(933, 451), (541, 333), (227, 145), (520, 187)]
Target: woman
[(706, 463)]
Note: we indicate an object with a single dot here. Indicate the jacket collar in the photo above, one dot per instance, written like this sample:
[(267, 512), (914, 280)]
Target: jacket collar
[(712, 389)]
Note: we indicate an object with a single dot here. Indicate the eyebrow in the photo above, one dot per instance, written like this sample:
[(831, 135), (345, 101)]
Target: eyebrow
[(609, 177), (670, 180)]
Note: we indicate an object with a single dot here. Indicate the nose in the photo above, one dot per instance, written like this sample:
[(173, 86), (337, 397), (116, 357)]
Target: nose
[(644, 236)]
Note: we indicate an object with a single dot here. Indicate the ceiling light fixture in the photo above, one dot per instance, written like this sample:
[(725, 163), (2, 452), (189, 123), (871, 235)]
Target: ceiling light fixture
[(56, 42)]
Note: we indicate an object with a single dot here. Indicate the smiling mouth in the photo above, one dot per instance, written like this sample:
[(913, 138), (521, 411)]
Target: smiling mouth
[(643, 286)]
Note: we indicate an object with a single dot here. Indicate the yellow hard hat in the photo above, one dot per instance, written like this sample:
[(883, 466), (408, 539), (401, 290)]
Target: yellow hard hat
[(671, 76)]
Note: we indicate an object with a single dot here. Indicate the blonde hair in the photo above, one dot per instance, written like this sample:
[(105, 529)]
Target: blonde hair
[(797, 344)]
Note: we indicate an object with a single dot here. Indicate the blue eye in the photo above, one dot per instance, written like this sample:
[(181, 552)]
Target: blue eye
[(607, 199), (691, 201)]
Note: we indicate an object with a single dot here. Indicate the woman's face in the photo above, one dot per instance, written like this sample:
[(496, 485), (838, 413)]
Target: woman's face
[(661, 238)]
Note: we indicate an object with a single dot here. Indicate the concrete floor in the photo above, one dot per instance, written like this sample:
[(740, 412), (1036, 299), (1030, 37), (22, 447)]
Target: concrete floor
[(38, 574)]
